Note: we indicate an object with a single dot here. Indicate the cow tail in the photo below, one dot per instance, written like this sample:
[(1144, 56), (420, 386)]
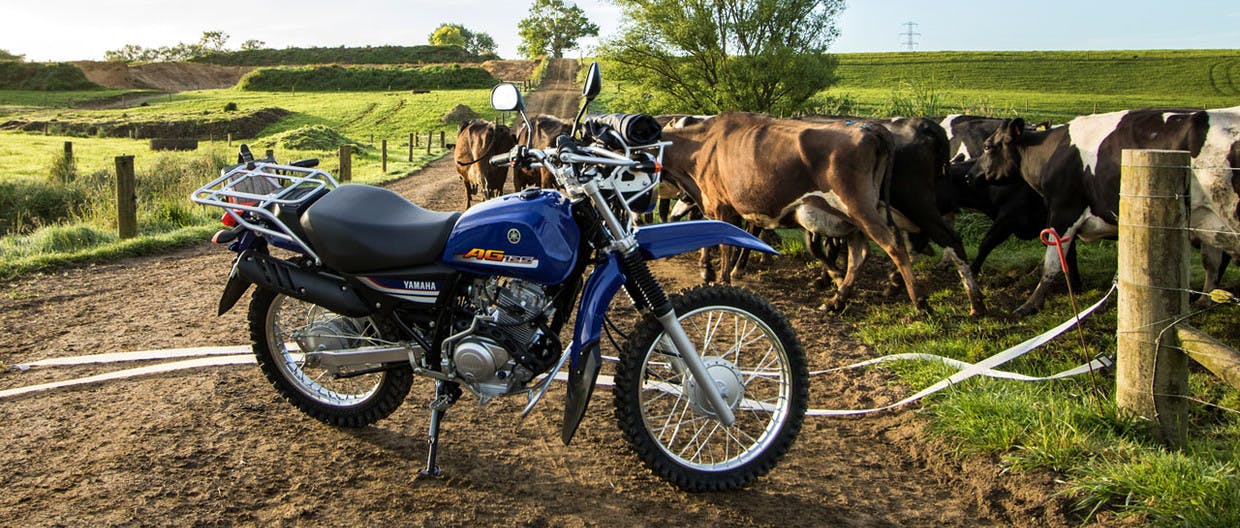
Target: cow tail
[(884, 165)]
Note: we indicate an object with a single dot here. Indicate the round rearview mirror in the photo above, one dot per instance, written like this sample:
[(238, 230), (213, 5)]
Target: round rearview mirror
[(594, 82), (506, 98)]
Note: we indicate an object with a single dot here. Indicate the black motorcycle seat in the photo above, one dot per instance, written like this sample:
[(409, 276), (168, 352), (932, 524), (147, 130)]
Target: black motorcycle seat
[(359, 228)]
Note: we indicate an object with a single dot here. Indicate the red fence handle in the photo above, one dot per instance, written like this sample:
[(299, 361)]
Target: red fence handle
[(1050, 237)]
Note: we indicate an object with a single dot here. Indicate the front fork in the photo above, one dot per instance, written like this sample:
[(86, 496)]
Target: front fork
[(647, 293)]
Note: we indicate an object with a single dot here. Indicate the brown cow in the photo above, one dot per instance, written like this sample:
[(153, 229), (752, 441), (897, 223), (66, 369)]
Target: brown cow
[(546, 129), (825, 178), (476, 142), (919, 164)]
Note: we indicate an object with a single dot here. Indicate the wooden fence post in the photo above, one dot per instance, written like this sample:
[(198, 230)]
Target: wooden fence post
[(430, 138), (230, 139), (441, 140), (69, 152), (411, 146), (1152, 376), (417, 140), (346, 163), (126, 198), (384, 164)]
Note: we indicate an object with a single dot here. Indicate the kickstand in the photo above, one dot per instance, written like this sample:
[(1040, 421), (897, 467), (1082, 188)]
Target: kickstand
[(445, 395)]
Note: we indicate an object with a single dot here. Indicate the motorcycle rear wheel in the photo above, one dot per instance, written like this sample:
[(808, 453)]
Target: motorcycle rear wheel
[(277, 324), (751, 351)]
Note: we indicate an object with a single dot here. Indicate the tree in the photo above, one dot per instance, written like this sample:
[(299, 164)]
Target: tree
[(711, 56), (554, 27), (448, 35), (213, 41), (477, 43), (5, 55), (252, 44)]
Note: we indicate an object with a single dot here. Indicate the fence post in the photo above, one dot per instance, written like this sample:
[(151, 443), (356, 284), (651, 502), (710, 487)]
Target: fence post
[(1152, 377), (384, 164), (69, 152), (411, 146), (230, 139), (346, 163), (417, 140), (430, 138), (441, 140), (126, 198)]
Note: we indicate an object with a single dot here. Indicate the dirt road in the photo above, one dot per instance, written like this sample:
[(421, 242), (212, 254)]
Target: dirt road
[(217, 447), (560, 94)]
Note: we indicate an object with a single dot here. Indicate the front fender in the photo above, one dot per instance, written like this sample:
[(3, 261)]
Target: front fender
[(664, 240), (655, 242)]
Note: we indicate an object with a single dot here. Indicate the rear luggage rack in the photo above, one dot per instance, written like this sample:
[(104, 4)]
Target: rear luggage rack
[(256, 188)]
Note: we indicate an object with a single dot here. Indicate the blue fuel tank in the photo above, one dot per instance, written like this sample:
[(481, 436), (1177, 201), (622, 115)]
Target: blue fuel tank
[(529, 235)]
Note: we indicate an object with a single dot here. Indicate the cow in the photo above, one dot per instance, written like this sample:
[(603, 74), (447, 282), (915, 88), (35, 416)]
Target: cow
[(825, 178), (476, 142), (1076, 168), (546, 129), (1014, 208), (919, 166)]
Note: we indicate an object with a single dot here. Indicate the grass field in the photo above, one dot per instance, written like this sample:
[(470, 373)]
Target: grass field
[(1056, 85)]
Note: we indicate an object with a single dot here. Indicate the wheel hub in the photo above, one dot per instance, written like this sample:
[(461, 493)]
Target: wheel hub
[(727, 379)]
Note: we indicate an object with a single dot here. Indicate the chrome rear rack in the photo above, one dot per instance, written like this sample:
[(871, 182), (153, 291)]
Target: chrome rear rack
[(256, 187)]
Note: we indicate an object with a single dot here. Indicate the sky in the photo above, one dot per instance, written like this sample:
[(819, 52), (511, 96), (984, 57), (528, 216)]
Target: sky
[(48, 30)]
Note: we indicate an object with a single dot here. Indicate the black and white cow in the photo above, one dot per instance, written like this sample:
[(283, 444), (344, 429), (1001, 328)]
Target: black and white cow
[(1014, 208), (1076, 168)]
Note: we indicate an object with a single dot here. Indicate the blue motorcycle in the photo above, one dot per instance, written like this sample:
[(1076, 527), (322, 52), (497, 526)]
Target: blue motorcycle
[(357, 290)]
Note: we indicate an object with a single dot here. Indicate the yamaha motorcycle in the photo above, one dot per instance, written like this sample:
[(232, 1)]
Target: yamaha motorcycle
[(357, 290)]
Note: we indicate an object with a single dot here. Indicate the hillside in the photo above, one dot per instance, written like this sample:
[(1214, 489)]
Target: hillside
[(163, 76)]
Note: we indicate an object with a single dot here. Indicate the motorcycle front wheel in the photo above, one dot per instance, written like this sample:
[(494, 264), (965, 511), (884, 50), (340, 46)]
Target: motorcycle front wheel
[(281, 327), (752, 354)]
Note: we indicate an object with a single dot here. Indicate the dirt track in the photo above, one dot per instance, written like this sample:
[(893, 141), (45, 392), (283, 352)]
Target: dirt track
[(216, 446), (560, 94)]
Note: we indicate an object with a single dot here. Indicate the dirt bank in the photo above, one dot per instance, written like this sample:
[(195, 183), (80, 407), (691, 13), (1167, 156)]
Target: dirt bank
[(163, 76)]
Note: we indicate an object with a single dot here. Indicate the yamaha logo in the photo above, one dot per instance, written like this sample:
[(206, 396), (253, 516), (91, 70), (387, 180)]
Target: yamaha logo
[(514, 235)]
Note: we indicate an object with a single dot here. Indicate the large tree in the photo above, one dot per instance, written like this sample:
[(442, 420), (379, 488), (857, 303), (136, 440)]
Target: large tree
[(711, 56), (5, 55), (552, 28), (476, 42)]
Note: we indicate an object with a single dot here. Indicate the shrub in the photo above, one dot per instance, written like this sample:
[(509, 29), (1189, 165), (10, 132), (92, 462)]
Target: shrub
[(29, 204), (340, 78), (343, 55), (313, 137), (56, 76), (230, 107)]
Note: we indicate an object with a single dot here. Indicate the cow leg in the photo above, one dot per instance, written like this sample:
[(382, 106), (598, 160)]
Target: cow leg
[(998, 232), (665, 209), (1215, 262), (708, 270), (933, 227), (1074, 273), (874, 227), (858, 249)]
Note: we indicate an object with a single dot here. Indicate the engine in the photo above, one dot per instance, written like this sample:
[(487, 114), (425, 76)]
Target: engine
[(508, 346)]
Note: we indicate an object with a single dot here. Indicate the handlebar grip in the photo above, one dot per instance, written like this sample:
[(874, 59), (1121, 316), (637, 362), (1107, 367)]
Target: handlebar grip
[(500, 160)]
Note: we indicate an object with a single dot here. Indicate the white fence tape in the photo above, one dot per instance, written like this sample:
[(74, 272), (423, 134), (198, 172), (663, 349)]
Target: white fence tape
[(236, 356), (240, 359), (135, 356)]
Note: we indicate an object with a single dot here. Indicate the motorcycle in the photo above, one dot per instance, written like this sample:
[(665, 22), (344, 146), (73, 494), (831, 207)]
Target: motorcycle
[(357, 290)]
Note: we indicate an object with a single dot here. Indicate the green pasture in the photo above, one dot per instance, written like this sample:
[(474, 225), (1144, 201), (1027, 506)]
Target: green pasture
[(1056, 85)]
